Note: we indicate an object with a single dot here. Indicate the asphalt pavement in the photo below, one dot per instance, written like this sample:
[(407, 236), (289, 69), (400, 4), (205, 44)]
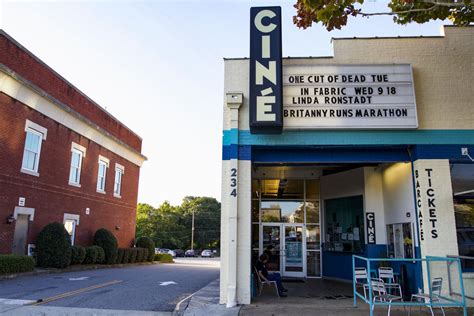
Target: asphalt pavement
[(157, 287)]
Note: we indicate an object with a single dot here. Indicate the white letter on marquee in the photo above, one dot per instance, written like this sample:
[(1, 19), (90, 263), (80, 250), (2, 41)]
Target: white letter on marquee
[(258, 21), (264, 105), (269, 73)]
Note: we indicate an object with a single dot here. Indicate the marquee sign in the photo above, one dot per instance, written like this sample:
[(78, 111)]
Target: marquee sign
[(349, 97), (265, 100)]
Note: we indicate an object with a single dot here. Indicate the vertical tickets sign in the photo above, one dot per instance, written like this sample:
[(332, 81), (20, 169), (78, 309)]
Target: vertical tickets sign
[(265, 71)]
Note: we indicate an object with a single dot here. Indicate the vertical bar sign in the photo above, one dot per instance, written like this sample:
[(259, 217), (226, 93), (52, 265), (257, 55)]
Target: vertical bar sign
[(265, 99), (370, 218)]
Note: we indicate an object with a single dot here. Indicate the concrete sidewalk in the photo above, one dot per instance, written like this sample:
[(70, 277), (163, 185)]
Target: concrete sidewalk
[(205, 302)]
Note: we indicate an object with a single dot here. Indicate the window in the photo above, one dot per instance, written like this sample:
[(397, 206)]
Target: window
[(400, 240), (119, 171), (103, 165), (77, 153), (35, 134)]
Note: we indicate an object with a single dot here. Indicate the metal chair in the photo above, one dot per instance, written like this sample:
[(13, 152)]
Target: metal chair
[(436, 285), (262, 282), (361, 274), (380, 294), (386, 273)]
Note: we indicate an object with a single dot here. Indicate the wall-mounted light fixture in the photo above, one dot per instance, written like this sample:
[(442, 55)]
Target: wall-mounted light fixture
[(10, 219), (117, 227)]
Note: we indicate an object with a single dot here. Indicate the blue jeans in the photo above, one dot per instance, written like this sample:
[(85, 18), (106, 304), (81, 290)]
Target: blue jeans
[(276, 277)]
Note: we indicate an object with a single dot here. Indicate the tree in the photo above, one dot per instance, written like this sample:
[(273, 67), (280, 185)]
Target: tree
[(334, 13)]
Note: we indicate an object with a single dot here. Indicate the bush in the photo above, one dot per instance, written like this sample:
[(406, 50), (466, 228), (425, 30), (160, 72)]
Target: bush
[(16, 264), (145, 255), (91, 255), (147, 243), (120, 254), (133, 256), (164, 258), (100, 255), (140, 254), (105, 239), (126, 255), (78, 254), (53, 246)]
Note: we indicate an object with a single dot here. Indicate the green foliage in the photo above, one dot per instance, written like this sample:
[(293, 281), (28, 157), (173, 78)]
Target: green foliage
[(164, 258), (333, 14), (100, 255), (170, 226), (107, 241), (133, 255), (126, 255), (92, 253), (120, 254), (140, 253), (147, 242), (78, 254), (16, 264), (145, 255), (53, 247)]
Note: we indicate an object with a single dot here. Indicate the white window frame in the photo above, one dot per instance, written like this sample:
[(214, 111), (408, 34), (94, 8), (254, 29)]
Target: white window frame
[(104, 161), (74, 218), (31, 127), (121, 170), (81, 150)]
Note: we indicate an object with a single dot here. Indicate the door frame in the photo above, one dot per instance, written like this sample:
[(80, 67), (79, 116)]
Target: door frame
[(282, 250)]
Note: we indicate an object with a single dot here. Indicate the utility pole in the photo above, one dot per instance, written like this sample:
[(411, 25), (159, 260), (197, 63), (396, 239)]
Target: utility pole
[(192, 232)]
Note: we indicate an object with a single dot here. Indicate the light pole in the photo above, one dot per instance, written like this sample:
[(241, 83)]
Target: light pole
[(192, 232)]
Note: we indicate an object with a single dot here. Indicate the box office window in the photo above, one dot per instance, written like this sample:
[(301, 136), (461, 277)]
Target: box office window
[(344, 219), (400, 240)]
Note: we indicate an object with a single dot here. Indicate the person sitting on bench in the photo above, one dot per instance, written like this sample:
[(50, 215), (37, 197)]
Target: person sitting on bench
[(261, 267)]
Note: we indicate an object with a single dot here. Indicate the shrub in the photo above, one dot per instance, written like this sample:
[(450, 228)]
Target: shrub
[(16, 264), (133, 256), (100, 255), (164, 258), (126, 255), (140, 254), (105, 239), (145, 255), (147, 242), (120, 254), (91, 255), (53, 247), (78, 254)]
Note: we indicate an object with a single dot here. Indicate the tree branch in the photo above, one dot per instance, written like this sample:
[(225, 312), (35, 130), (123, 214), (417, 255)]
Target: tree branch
[(399, 12)]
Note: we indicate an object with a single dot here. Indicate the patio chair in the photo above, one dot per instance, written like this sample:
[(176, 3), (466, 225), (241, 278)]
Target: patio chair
[(380, 294), (386, 273), (262, 282), (436, 284), (361, 274)]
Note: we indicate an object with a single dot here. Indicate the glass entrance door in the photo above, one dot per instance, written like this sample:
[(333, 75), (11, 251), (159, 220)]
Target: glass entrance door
[(272, 246), (293, 244)]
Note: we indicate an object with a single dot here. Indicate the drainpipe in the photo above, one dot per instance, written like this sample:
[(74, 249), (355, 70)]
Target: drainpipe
[(234, 101)]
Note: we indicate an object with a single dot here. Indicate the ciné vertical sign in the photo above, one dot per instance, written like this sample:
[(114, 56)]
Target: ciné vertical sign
[(265, 71), (370, 227)]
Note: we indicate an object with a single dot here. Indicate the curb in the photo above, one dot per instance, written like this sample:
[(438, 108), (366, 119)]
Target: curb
[(40, 271)]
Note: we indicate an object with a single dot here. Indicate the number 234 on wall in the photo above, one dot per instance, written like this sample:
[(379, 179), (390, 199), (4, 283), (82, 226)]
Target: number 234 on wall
[(233, 182)]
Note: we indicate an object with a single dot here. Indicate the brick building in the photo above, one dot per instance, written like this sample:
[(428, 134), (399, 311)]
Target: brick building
[(368, 152), (63, 158)]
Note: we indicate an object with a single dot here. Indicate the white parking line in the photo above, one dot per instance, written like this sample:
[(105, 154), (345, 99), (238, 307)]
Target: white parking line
[(8, 301)]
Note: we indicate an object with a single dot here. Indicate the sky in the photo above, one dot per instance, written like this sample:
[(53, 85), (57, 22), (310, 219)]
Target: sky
[(158, 67)]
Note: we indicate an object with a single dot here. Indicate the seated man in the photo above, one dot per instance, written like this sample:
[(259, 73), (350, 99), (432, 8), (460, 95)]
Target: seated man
[(260, 265)]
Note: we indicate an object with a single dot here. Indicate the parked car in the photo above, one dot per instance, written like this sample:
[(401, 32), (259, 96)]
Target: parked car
[(165, 250), (179, 252), (206, 253), (190, 253)]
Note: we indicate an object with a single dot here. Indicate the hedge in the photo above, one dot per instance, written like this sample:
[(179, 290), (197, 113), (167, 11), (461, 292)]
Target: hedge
[(16, 264), (126, 255), (53, 246), (100, 255), (164, 258), (105, 239), (78, 254), (140, 254), (147, 242), (91, 255), (145, 255), (120, 253), (133, 255)]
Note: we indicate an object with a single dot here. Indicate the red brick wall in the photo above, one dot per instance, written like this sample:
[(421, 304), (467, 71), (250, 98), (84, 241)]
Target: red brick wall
[(50, 194), (22, 62)]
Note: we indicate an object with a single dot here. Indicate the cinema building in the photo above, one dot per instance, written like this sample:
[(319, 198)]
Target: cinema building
[(371, 153), (63, 158)]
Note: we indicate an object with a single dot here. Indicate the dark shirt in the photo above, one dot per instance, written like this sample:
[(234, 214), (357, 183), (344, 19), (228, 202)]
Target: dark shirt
[(260, 266)]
